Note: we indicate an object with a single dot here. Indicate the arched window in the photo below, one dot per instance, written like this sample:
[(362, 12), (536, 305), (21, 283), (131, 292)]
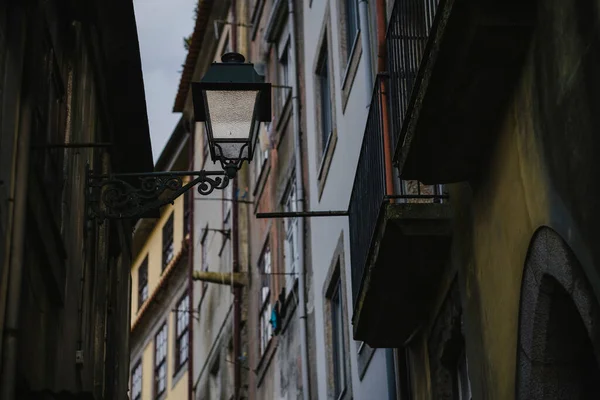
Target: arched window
[(559, 336)]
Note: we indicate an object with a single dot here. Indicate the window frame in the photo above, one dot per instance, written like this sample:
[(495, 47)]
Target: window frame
[(291, 235), (162, 362), (324, 145), (168, 246), (323, 77), (265, 329), (187, 212), (204, 255), (182, 315), (349, 37), (143, 291), (335, 283), (339, 360), (261, 156), (137, 367)]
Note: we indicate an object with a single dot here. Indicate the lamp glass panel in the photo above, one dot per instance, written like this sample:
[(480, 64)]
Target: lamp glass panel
[(231, 113), (231, 151)]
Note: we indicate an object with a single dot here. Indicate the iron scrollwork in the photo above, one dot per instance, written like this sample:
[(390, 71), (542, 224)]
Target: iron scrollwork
[(120, 196)]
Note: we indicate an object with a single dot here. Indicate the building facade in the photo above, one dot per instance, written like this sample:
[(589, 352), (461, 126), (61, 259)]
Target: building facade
[(71, 103), (160, 313), (488, 287), (451, 143)]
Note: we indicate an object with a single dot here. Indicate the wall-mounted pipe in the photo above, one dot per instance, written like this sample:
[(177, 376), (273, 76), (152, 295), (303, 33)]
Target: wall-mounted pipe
[(381, 67), (300, 204), (223, 278), (191, 244)]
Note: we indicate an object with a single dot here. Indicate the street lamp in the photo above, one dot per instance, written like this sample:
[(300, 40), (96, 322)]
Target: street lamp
[(232, 100)]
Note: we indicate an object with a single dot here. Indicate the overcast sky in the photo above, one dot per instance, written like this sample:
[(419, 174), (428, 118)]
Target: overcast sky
[(162, 25)]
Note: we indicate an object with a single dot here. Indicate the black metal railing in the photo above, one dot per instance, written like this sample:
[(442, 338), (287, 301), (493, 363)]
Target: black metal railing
[(408, 31), (368, 192)]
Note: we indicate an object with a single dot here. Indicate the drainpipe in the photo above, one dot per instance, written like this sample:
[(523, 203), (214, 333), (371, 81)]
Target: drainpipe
[(190, 193), (11, 322), (381, 67), (237, 290), (300, 204), (387, 152), (363, 16)]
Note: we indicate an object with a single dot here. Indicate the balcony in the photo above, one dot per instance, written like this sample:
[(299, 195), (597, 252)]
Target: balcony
[(398, 243), (453, 65)]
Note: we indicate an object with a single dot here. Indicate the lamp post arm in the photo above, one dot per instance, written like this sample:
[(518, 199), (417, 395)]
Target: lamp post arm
[(120, 196)]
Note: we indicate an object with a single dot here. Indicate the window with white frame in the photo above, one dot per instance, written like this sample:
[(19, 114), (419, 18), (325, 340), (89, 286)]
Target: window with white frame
[(290, 251), (136, 381), (284, 74), (160, 360), (261, 152), (265, 327), (182, 318)]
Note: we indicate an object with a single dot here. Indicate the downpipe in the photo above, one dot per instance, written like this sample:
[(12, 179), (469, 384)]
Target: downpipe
[(300, 205)]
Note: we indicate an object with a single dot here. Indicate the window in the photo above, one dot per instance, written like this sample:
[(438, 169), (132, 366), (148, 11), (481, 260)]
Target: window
[(290, 251), (264, 268), (351, 21), (226, 262), (337, 341), (143, 282), (337, 336), (204, 261), (205, 150), (187, 211), (182, 317), (463, 385), (323, 79), (160, 361), (136, 381), (168, 251), (283, 75), (261, 153)]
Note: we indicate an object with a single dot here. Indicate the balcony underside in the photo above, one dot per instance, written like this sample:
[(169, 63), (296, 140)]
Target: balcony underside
[(408, 253), (468, 74)]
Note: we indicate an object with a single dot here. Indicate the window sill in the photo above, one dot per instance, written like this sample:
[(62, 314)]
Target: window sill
[(179, 372), (260, 183), (265, 361)]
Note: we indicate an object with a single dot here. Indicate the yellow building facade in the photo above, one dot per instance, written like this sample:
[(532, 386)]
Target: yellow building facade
[(159, 294)]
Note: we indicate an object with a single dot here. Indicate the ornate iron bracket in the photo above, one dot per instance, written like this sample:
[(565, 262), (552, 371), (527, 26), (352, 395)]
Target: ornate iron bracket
[(117, 196)]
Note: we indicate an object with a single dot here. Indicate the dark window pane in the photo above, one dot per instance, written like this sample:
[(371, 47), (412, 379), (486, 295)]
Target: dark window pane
[(143, 282), (337, 327), (325, 94), (168, 250), (351, 22)]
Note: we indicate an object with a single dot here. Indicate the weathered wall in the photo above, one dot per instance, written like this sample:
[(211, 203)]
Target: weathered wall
[(541, 173)]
